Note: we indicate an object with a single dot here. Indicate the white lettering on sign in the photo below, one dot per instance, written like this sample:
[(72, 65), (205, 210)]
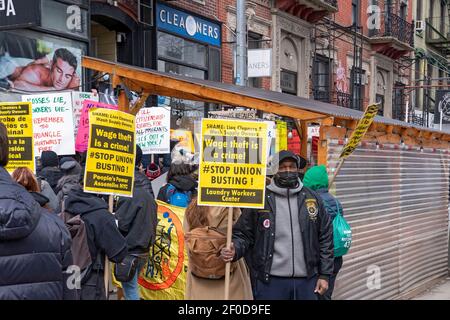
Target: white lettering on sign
[(191, 25), (8, 6), (73, 22)]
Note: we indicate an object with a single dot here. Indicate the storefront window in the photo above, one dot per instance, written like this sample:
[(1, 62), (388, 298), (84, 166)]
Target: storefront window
[(289, 82), (183, 51), (188, 45), (180, 70)]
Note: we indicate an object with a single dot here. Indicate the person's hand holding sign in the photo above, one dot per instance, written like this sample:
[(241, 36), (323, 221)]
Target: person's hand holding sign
[(227, 255)]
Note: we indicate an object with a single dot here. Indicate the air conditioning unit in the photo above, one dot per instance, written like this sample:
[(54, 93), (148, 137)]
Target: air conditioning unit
[(420, 26)]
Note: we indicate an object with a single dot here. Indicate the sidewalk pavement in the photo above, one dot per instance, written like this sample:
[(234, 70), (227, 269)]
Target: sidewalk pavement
[(439, 292)]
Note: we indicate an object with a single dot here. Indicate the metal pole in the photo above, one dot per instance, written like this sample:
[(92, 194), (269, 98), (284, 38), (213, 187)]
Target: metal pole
[(241, 40)]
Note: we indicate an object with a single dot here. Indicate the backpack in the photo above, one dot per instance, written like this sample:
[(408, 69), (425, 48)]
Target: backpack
[(178, 198), (204, 245), (342, 232), (80, 248)]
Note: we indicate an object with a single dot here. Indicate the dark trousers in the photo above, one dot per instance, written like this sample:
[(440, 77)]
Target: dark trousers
[(337, 266), (279, 288)]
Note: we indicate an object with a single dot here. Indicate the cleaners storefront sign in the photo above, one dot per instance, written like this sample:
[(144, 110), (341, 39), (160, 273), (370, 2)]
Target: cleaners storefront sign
[(188, 25)]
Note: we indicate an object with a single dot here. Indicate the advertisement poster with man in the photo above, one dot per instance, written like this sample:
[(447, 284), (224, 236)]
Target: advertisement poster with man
[(34, 65)]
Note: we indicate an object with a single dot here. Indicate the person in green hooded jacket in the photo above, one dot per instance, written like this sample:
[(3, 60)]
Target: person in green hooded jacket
[(316, 178)]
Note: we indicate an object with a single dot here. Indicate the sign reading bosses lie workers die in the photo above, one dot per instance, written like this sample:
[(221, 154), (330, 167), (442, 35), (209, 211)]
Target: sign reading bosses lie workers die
[(111, 153), (233, 163), (17, 118)]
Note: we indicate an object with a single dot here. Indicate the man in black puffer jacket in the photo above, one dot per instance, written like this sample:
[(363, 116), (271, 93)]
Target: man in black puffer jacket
[(137, 222), (34, 245)]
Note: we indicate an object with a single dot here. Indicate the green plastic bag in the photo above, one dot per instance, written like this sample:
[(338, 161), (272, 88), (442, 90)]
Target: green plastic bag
[(342, 235)]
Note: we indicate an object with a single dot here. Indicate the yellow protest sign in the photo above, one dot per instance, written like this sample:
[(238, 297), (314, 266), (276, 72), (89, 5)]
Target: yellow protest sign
[(281, 138), (184, 137), (233, 161), (111, 153), (164, 275), (360, 131), (17, 118)]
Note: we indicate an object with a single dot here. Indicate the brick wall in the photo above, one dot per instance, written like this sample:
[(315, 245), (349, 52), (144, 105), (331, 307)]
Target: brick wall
[(217, 10)]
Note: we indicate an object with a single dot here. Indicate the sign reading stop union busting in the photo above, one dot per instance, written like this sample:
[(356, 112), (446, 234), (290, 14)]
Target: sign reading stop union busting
[(111, 153), (233, 163)]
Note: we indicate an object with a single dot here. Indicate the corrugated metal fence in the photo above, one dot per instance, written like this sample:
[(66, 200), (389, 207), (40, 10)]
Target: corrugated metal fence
[(396, 201)]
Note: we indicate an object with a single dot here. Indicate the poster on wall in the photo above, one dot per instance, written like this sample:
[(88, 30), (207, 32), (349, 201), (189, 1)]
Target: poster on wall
[(36, 65), (52, 122)]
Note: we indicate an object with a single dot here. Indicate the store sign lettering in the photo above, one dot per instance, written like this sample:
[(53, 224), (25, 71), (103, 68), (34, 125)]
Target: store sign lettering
[(7, 6), (187, 25), (73, 22)]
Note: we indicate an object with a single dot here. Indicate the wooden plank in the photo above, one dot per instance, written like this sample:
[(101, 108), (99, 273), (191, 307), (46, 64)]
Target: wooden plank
[(389, 139), (328, 132), (322, 152), (140, 103), (304, 139), (202, 92), (164, 85)]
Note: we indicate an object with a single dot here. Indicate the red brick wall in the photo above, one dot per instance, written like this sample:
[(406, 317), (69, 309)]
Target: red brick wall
[(345, 44), (217, 10)]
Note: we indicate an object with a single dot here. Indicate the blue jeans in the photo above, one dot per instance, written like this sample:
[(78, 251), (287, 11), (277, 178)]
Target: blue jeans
[(131, 288)]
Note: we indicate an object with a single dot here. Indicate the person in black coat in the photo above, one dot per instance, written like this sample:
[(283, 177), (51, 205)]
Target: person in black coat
[(103, 237), (34, 245), (50, 171), (137, 222)]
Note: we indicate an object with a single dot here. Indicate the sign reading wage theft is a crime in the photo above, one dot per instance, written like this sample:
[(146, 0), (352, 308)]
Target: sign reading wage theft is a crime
[(17, 118), (233, 162), (360, 131), (111, 153)]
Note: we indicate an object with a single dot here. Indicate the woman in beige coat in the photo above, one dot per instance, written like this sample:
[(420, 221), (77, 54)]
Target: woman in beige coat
[(211, 289)]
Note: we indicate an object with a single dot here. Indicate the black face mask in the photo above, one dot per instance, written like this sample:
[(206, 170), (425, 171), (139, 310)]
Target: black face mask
[(286, 179)]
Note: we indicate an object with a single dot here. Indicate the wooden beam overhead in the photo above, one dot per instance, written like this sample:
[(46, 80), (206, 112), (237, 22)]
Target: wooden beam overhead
[(160, 84), (173, 87)]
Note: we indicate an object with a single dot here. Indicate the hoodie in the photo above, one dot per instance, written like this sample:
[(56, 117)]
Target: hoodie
[(48, 192), (34, 247), (102, 232), (137, 218), (316, 178), (288, 256), (70, 167), (182, 183), (52, 176), (65, 185), (40, 198)]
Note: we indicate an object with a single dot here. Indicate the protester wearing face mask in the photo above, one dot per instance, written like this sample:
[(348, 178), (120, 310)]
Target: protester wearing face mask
[(290, 241)]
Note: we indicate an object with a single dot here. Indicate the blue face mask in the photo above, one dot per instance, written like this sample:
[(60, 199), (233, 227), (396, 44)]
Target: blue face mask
[(286, 179)]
